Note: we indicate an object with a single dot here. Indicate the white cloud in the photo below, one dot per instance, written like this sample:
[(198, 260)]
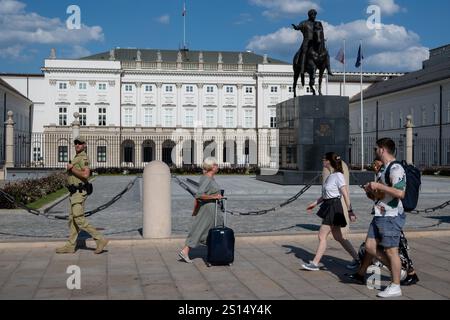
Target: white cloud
[(14, 52), (409, 59), (378, 45), (283, 8), (388, 7), (164, 19), (28, 28), (11, 6)]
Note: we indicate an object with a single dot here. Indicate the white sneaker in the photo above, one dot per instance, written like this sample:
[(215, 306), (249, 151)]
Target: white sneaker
[(311, 266), (391, 291)]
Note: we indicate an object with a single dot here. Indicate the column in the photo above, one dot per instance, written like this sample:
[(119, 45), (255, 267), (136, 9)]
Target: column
[(179, 105), (239, 105), (199, 104), (220, 116), (158, 146), (262, 148), (240, 141), (9, 157), (219, 146), (138, 104), (158, 122)]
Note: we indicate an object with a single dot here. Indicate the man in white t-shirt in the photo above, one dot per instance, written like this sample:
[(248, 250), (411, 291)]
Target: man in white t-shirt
[(387, 224)]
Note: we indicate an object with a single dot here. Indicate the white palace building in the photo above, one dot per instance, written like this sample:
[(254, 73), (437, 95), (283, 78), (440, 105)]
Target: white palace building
[(137, 106)]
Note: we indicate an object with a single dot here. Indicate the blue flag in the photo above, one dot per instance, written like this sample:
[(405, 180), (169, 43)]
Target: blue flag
[(360, 58)]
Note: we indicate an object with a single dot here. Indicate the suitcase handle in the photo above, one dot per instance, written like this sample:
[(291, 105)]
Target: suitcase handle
[(224, 200)]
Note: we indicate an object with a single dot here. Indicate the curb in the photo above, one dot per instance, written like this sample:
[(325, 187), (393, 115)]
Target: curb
[(249, 238)]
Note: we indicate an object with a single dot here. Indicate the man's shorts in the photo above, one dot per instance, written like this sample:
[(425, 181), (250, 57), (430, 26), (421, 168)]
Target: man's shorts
[(387, 230)]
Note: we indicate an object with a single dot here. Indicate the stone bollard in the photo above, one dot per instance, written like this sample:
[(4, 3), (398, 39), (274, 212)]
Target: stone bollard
[(9, 159), (409, 139), (157, 201)]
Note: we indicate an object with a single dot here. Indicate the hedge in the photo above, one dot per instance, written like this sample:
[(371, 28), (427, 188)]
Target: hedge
[(186, 170), (30, 190)]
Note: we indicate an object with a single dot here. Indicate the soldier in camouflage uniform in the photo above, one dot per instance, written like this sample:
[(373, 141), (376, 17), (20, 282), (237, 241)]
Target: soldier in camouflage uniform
[(79, 172)]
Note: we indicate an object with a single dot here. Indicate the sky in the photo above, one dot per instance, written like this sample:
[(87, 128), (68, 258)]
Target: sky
[(401, 40)]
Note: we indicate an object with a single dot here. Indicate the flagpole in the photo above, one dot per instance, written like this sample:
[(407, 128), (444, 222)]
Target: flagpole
[(184, 24), (362, 110), (345, 61)]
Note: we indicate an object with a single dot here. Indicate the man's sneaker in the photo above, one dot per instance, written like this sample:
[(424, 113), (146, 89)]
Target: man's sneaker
[(391, 291), (184, 257), (353, 265), (101, 244), (311, 266), (410, 280), (65, 249), (356, 277)]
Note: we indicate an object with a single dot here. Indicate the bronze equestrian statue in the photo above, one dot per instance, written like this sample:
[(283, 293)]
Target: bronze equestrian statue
[(312, 54)]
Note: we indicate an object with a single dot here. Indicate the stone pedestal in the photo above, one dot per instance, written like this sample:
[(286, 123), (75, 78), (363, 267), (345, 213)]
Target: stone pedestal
[(309, 127)]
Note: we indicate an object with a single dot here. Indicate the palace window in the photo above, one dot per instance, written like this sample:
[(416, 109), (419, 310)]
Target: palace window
[(189, 118), (229, 89), (189, 89), (102, 86), (37, 154), (101, 154), (210, 121), (209, 89), (424, 116), (274, 89), (382, 121), (392, 120), (128, 88), (291, 89), (102, 117), (229, 118), (168, 117), (248, 89), (148, 117), (63, 154), (82, 112), (148, 88), (273, 118), (400, 120), (248, 118), (62, 85), (169, 88), (63, 116), (128, 117), (82, 86)]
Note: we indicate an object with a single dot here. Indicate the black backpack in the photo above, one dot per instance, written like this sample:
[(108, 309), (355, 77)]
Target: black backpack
[(413, 182)]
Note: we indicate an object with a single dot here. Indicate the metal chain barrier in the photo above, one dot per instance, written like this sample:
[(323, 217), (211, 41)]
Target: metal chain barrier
[(260, 212), (53, 217), (431, 210), (184, 185)]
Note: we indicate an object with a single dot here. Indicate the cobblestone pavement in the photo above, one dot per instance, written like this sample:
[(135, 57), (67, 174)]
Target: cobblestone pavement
[(245, 193), (265, 267)]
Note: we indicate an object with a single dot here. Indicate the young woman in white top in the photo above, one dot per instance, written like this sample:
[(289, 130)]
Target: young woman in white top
[(331, 210)]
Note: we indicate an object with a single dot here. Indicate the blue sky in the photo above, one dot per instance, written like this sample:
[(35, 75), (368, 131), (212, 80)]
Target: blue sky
[(30, 28)]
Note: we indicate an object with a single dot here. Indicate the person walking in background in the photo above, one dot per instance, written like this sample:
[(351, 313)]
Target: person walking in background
[(387, 224), (207, 194), (331, 210)]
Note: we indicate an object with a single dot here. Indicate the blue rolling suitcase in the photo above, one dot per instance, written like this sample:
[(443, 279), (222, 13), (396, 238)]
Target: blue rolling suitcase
[(220, 242)]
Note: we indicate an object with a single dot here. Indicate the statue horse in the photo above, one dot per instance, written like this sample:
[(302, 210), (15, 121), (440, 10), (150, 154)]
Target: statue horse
[(316, 59)]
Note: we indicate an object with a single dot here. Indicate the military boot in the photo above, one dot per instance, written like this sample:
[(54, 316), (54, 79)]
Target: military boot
[(101, 244), (65, 249)]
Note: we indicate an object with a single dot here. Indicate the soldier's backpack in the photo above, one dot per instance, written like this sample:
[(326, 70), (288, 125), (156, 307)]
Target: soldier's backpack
[(413, 182)]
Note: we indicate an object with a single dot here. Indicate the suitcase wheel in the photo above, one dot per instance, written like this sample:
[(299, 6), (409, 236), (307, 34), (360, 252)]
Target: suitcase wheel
[(208, 265)]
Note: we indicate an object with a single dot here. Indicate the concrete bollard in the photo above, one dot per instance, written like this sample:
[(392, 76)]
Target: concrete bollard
[(9, 123), (157, 204), (409, 139)]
